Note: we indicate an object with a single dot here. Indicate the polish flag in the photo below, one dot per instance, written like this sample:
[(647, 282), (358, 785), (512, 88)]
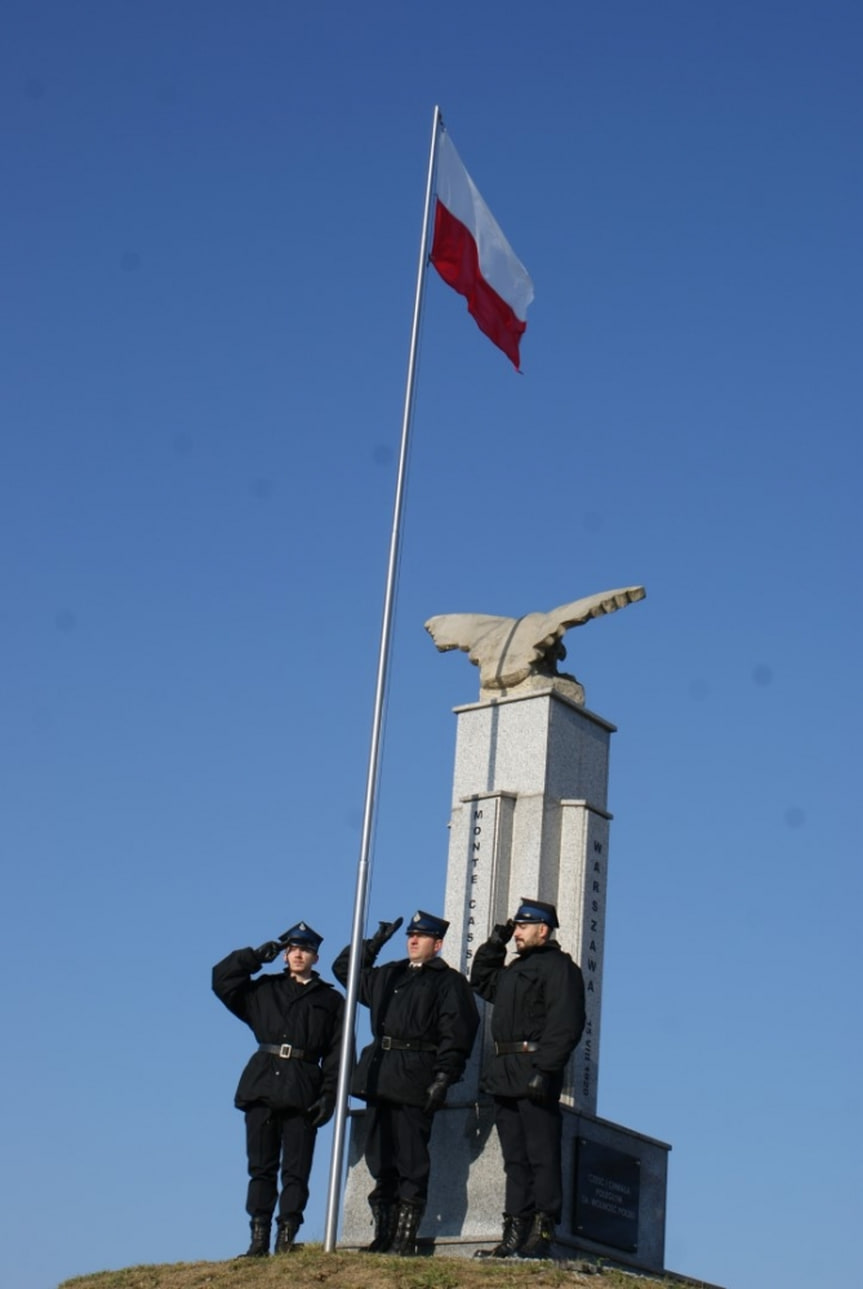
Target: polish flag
[(472, 255)]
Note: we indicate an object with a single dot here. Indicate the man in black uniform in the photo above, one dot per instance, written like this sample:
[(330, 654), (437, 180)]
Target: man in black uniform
[(536, 1025), (424, 1020), (288, 1088)]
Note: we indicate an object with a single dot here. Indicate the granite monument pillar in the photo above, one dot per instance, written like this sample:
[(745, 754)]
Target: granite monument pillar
[(529, 818)]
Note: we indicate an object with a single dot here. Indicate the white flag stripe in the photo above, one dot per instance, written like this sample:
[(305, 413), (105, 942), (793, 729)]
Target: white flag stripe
[(499, 264)]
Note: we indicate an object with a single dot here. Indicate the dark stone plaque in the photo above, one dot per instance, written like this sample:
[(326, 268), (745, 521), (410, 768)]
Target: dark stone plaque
[(606, 1195)]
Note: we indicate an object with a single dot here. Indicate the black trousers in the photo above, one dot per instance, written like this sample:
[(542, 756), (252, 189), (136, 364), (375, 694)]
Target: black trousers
[(397, 1152), (529, 1134), (271, 1136)]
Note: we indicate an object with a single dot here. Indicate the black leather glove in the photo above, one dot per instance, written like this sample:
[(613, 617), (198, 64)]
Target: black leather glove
[(436, 1093), (385, 931), (321, 1111), (502, 933), (537, 1088), (269, 952)]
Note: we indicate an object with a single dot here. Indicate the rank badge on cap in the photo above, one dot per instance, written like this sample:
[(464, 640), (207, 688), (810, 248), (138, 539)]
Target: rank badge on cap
[(427, 924)]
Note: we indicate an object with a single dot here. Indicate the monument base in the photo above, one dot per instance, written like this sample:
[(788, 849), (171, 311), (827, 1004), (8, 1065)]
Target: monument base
[(614, 1188)]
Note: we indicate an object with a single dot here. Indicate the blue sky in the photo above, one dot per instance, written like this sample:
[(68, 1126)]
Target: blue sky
[(210, 222)]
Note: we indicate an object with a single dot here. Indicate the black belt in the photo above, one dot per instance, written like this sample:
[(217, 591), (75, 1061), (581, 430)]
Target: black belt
[(510, 1049), (406, 1045), (288, 1052)]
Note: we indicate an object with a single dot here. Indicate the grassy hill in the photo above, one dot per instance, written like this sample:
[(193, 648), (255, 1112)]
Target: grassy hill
[(310, 1268)]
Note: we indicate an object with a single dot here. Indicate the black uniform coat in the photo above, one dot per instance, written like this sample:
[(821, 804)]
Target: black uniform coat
[(278, 1010), (431, 1002), (539, 996)]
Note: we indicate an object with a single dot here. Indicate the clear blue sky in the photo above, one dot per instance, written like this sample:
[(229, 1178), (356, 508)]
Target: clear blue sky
[(210, 223)]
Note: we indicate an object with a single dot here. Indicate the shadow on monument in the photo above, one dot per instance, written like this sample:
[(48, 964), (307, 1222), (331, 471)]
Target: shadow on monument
[(459, 1139)]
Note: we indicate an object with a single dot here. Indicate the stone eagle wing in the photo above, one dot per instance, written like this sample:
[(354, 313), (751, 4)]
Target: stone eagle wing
[(507, 650), (468, 631), (553, 625), (502, 648)]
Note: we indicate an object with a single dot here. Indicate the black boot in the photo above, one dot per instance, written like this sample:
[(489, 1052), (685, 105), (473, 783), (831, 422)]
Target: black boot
[(515, 1231), (538, 1242), (260, 1246), (287, 1229), (385, 1215), (407, 1220)]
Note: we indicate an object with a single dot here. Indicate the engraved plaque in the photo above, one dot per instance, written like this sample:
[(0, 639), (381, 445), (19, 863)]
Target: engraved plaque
[(606, 1195)]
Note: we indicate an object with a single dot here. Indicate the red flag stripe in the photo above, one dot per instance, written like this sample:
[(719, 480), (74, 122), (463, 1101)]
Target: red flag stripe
[(456, 257)]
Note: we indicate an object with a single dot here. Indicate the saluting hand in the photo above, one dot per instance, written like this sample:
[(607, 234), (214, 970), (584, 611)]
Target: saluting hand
[(502, 933), (269, 951), (385, 931)]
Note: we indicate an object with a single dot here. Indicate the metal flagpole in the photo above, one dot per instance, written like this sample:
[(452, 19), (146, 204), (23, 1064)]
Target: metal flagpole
[(360, 898)]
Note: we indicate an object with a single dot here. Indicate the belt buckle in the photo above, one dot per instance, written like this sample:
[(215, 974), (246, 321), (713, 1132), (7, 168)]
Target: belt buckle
[(285, 1051), (386, 1043)]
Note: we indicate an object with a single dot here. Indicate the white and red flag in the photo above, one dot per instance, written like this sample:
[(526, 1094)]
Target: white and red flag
[(472, 255)]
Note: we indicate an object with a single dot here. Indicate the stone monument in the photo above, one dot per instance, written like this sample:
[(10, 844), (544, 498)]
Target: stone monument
[(530, 818)]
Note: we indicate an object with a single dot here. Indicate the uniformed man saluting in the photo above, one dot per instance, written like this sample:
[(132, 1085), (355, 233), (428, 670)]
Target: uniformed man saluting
[(288, 1088), (424, 1020), (537, 1022)]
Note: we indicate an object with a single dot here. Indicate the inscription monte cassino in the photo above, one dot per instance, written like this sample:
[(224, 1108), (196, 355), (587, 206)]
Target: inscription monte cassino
[(475, 851)]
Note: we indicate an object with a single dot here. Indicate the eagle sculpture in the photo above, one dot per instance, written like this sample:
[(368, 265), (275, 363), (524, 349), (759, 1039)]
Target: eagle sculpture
[(509, 650)]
